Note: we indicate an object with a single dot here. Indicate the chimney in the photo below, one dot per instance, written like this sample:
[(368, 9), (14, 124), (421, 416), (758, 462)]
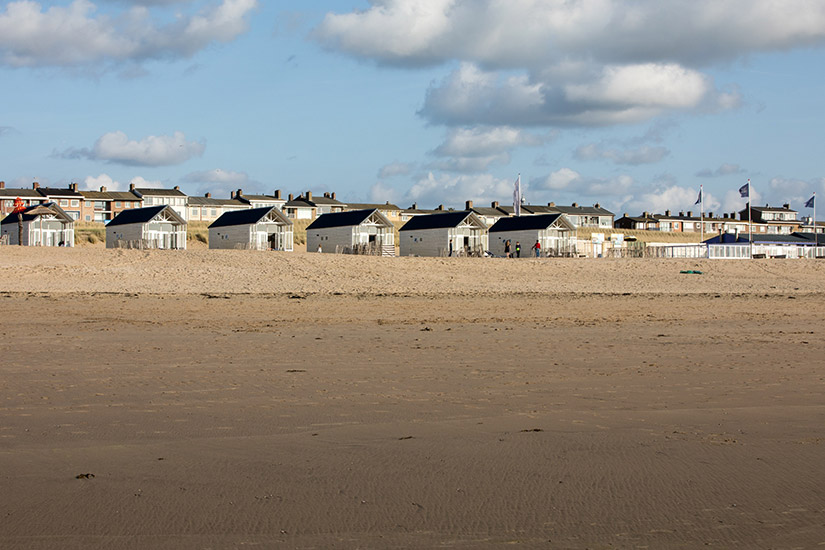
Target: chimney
[(177, 188), (102, 189), (786, 206), (494, 204), (240, 192), (131, 187), (290, 196), (440, 207), (278, 194), (2, 184), (326, 195), (333, 195), (710, 214), (575, 205), (468, 205), (309, 196), (414, 206), (208, 195), (681, 213), (689, 213), (73, 187), (625, 215), (551, 204), (667, 213), (645, 214), (231, 194), (35, 185)]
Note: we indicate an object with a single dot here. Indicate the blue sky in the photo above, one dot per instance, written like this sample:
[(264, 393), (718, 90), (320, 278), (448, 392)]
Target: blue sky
[(629, 103)]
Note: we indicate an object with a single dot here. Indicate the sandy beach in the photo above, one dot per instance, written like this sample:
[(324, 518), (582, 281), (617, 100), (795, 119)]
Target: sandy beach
[(226, 399)]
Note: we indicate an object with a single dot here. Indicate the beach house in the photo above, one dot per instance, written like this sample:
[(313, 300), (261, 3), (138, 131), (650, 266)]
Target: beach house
[(355, 232), (265, 228), (149, 227), (43, 225), (461, 232), (554, 233)]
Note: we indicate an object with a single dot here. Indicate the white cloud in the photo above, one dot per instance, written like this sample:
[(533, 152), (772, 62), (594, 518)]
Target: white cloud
[(94, 183), (394, 169), (117, 148), (569, 181), (220, 183), (453, 190), (77, 36), (485, 141), (658, 200), (558, 180), (726, 169), (380, 192)]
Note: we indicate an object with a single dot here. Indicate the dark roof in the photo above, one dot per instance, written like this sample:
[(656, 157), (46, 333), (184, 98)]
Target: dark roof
[(123, 196), (489, 211), (767, 208), (598, 210), (270, 198), (56, 192), (248, 216), (158, 192), (32, 212), (138, 215), (525, 223), (209, 201), (818, 237), (436, 221), (341, 219), (731, 238), (368, 206), (300, 202), (20, 193), (96, 195), (327, 200)]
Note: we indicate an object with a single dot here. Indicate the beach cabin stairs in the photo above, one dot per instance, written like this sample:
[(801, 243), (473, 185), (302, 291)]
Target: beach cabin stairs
[(388, 250)]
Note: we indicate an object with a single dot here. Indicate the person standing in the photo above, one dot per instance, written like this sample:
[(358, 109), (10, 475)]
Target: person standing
[(518, 249), (537, 248), (451, 248), (507, 248)]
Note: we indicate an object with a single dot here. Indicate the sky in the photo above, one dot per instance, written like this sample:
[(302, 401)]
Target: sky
[(632, 104)]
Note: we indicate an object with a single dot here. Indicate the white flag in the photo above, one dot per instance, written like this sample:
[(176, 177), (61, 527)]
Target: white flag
[(517, 197)]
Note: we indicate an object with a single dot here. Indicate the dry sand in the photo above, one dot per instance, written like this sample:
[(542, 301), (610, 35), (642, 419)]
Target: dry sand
[(225, 399)]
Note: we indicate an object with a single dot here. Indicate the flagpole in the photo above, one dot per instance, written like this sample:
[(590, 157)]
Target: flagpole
[(750, 221), (702, 215)]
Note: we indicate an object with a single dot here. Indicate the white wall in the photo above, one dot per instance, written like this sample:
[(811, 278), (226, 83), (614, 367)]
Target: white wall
[(424, 242), (329, 238)]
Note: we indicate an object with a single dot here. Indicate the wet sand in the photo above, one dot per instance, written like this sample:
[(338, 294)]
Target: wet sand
[(223, 409)]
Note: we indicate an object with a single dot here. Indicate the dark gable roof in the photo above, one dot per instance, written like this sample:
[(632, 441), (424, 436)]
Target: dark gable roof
[(53, 192), (327, 201), (157, 192), (137, 215), (209, 201), (341, 219), (574, 210), (20, 193), (32, 212), (367, 206), (525, 223), (436, 221), (300, 202), (248, 216)]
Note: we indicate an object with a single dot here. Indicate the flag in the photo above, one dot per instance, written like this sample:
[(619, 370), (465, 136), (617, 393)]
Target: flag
[(699, 200), (745, 190), (810, 203), (517, 197)]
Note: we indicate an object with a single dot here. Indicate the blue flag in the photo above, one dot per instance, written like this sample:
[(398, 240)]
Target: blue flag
[(810, 203), (745, 190), (699, 200)]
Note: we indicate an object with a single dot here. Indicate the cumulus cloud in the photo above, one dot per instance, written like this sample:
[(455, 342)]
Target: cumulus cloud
[(474, 149), (380, 192), (94, 183), (76, 35), (568, 180), (453, 190), (395, 169), (117, 148), (660, 199), (724, 170), (589, 62), (221, 182)]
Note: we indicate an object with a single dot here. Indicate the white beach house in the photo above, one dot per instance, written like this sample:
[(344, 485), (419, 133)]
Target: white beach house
[(265, 228), (554, 232), (43, 225), (432, 234), (355, 232), (150, 227)]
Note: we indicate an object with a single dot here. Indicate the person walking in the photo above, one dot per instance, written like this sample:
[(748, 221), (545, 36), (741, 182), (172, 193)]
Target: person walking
[(451, 248), (518, 249), (537, 248), (507, 248)]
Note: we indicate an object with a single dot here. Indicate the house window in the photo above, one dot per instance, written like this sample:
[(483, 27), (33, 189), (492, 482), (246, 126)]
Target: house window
[(88, 218), (117, 204), (64, 202), (75, 203), (88, 204)]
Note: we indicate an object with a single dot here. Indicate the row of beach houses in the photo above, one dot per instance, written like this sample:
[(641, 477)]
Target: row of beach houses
[(157, 218)]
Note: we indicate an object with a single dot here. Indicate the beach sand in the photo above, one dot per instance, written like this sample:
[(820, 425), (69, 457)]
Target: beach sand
[(225, 399)]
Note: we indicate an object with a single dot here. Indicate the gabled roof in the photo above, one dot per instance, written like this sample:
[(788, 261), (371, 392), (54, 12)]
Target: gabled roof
[(56, 192), (327, 201), (300, 202), (29, 193), (123, 196), (209, 201), (249, 216), (96, 195), (527, 223), (36, 210), (144, 215), (575, 210), (344, 219), (370, 206), (159, 192), (489, 211), (443, 220), (267, 198)]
